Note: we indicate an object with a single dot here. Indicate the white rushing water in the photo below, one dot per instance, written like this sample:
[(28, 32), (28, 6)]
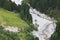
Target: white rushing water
[(18, 2), (45, 25)]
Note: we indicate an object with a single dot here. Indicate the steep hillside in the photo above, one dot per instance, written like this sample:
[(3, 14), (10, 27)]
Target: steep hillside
[(11, 19)]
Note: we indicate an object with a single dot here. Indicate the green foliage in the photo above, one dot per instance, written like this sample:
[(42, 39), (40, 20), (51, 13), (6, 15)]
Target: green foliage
[(54, 13), (13, 19), (56, 35), (44, 5), (23, 10), (25, 13), (25, 36), (6, 35)]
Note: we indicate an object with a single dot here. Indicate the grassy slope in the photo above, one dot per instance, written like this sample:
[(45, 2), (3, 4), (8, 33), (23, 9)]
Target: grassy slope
[(11, 19)]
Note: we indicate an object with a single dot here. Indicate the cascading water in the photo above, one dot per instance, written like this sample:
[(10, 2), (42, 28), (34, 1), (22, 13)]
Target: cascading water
[(45, 25), (18, 2)]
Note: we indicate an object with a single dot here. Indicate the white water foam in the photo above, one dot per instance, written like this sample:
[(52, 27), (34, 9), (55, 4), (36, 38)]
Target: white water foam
[(18, 2), (45, 25)]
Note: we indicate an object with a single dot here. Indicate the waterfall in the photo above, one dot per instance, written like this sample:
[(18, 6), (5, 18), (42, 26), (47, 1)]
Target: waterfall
[(45, 25)]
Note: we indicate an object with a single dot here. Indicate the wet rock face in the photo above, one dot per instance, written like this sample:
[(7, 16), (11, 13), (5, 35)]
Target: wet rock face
[(45, 25), (11, 28)]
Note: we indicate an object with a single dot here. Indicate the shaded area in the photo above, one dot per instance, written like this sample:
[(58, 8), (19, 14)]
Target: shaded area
[(56, 35)]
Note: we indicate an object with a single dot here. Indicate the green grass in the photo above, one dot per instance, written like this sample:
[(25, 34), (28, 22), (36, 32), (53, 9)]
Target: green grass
[(11, 19)]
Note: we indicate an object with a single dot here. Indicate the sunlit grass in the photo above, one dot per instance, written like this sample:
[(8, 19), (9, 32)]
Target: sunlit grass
[(11, 19)]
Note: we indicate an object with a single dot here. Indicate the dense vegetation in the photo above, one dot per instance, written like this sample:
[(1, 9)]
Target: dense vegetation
[(44, 5), (23, 10), (7, 35), (13, 19), (56, 35), (23, 21)]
